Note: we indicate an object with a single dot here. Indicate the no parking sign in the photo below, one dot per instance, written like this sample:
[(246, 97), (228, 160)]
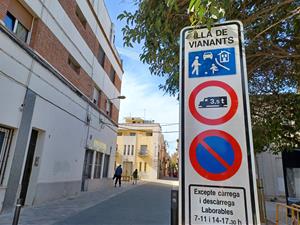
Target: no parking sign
[(217, 174)]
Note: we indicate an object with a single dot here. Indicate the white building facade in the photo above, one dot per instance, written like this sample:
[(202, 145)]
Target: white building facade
[(60, 77)]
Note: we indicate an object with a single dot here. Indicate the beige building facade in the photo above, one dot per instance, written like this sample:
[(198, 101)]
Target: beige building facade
[(140, 145)]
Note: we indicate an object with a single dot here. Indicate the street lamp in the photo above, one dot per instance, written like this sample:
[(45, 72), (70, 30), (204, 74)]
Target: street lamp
[(119, 97)]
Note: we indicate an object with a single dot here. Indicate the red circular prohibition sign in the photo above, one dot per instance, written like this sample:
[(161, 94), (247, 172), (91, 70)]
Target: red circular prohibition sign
[(231, 169), (221, 120)]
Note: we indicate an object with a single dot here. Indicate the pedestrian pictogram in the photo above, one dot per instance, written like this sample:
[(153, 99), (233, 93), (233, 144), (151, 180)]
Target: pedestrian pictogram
[(215, 155), (217, 62), (195, 107)]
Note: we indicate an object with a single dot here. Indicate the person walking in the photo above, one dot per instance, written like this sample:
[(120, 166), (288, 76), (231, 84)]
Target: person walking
[(135, 176), (118, 175)]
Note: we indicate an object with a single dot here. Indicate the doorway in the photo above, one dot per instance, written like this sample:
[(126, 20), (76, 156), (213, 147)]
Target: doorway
[(28, 165), (5, 142), (127, 168), (87, 169)]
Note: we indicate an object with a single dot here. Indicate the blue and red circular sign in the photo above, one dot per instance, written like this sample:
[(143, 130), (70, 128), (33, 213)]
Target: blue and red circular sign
[(213, 83), (215, 155)]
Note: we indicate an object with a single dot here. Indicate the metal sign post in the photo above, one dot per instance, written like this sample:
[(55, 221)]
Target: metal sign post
[(217, 173)]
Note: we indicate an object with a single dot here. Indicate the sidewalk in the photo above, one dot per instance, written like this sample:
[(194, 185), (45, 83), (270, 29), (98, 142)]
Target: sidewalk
[(49, 213), (165, 180), (271, 211)]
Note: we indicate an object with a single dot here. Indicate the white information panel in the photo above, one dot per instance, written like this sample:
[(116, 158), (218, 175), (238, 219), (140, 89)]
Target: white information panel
[(215, 205), (217, 173)]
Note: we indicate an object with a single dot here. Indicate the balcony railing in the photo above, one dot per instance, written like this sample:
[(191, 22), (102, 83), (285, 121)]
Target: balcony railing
[(143, 153)]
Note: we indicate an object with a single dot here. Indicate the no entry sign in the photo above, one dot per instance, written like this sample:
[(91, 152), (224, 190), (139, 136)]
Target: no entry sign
[(217, 173)]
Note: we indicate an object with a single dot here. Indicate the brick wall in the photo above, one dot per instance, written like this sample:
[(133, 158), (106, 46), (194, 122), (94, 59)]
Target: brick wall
[(102, 107), (88, 35), (107, 65), (115, 114), (3, 8), (117, 83), (102, 102), (48, 46), (86, 32)]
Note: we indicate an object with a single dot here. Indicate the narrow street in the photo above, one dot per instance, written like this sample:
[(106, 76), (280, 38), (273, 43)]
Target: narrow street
[(144, 205)]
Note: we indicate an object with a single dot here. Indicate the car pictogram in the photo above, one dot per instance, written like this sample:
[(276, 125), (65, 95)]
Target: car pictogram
[(208, 55)]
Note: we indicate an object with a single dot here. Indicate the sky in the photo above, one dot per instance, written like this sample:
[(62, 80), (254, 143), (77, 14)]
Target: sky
[(143, 97)]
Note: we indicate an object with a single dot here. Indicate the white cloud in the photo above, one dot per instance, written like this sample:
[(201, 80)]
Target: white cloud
[(128, 53), (145, 100)]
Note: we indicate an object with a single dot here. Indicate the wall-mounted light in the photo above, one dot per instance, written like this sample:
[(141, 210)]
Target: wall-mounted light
[(119, 97)]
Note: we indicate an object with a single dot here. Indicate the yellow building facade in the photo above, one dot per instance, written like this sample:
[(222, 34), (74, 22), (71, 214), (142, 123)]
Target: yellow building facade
[(141, 146)]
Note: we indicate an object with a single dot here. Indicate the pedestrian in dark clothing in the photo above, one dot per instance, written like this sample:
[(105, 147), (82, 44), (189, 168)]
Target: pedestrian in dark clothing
[(118, 175), (135, 176)]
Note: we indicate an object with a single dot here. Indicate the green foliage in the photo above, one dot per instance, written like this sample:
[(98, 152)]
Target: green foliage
[(276, 122), (158, 24), (206, 11), (272, 41)]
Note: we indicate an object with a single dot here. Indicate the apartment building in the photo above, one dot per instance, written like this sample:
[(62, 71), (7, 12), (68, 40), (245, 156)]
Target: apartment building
[(141, 145), (60, 78)]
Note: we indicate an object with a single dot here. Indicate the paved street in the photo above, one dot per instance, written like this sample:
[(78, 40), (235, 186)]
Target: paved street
[(148, 204)]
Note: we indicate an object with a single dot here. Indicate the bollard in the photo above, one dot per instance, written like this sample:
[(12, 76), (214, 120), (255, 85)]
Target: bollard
[(17, 212), (174, 207)]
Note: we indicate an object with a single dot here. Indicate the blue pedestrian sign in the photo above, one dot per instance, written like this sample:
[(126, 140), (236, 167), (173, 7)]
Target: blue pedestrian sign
[(215, 62)]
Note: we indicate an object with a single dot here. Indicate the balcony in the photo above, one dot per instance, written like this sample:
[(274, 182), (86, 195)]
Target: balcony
[(143, 150), (143, 153)]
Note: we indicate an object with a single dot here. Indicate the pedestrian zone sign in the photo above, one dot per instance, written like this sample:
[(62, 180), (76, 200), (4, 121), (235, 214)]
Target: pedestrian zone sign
[(217, 172), (216, 62)]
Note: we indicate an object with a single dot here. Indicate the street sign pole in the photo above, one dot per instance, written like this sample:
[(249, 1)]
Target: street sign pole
[(217, 172)]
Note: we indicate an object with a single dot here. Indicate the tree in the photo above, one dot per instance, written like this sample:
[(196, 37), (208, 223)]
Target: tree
[(272, 40), (174, 163), (275, 122)]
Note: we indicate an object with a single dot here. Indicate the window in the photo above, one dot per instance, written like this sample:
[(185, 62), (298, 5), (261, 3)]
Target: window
[(9, 21), (5, 140), (88, 163), (80, 16), (112, 74), (74, 64), (96, 96), (16, 27), (116, 148), (149, 134), (128, 150), (140, 167), (132, 134), (124, 153), (106, 165), (98, 164), (101, 56), (21, 32), (143, 150), (108, 107), (145, 167), (132, 149)]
